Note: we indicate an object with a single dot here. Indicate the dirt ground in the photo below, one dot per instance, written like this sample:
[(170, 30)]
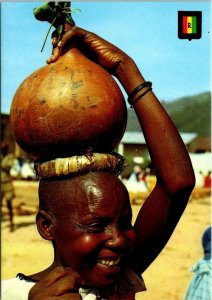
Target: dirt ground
[(166, 279)]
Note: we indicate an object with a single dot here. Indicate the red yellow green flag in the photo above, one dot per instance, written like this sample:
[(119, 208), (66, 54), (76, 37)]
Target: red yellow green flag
[(189, 24)]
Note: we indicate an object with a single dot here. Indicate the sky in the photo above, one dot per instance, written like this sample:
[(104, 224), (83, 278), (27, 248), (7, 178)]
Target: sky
[(146, 31)]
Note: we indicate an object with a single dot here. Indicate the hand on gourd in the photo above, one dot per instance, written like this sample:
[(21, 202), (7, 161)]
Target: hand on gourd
[(95, 48)]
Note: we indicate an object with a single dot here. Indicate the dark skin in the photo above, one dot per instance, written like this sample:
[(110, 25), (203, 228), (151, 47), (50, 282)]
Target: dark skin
[(55, 51), (114, 243)]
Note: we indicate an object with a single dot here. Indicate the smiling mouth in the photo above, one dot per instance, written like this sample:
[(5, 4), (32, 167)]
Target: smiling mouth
[(109, 262)]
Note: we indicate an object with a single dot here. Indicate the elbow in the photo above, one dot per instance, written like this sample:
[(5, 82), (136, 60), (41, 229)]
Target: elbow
[(182, 183)]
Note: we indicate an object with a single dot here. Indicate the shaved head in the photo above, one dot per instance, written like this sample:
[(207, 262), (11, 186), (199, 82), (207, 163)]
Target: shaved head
[(56, 194)]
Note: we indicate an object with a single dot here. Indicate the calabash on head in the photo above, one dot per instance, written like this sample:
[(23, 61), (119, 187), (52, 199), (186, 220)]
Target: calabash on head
[(68, 108)]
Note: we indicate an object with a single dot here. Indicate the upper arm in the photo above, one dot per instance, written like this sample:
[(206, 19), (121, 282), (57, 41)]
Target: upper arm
[(155, 223)]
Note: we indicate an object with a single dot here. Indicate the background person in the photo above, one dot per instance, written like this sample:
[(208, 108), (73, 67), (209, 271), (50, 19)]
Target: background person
[(200, 285), (207, 182), (7, 188)]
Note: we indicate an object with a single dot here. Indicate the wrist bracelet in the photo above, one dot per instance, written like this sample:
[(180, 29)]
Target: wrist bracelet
[(139, 97), (138, 88)]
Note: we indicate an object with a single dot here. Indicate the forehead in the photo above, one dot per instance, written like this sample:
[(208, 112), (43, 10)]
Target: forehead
[(97, 193)]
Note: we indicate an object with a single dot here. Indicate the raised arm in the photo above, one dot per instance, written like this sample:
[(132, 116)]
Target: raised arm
[(175, 178)]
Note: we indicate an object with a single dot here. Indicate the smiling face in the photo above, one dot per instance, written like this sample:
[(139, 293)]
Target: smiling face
[(92, 231)]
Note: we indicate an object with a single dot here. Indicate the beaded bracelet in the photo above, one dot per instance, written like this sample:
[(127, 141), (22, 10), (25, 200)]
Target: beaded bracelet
[(139, 97), (137, 89)]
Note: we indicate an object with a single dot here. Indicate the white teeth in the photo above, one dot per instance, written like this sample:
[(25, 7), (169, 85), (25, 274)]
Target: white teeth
[(109, 262)]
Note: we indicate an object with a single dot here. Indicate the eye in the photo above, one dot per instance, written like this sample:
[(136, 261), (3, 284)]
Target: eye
[(95, 227)]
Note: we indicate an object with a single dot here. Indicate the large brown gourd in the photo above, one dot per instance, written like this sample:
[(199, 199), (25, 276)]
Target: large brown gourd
[(70, 107)]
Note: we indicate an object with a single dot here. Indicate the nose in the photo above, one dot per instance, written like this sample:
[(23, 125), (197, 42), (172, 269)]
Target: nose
[(116, 239)]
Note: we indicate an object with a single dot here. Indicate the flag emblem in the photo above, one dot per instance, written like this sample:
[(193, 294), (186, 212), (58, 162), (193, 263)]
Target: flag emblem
[(189, 24)]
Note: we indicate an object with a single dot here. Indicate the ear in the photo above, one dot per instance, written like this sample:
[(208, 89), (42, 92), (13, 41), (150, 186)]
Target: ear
[(45, 225)]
